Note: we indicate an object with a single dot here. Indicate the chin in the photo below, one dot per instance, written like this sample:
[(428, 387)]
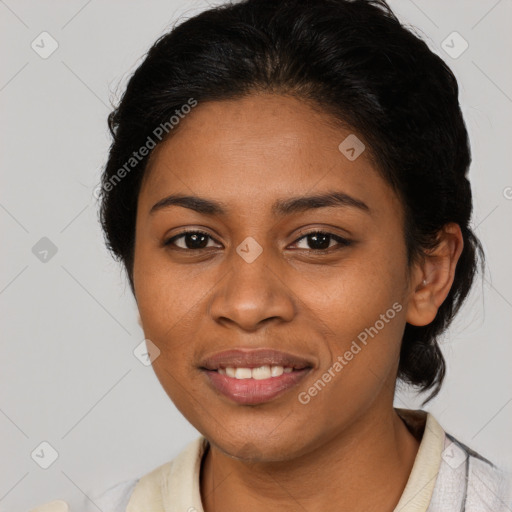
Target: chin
[(259, 447)]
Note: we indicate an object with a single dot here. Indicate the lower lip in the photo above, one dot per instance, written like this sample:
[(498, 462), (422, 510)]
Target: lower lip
[(253, 391)]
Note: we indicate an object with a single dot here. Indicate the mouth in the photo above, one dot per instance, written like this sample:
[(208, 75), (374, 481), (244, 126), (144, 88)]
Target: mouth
[(252, 377)]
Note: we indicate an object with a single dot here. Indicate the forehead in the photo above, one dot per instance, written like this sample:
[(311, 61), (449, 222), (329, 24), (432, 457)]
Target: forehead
[(261, 146)]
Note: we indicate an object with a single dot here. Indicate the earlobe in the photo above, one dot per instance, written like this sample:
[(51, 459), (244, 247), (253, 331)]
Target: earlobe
[(432, 279)]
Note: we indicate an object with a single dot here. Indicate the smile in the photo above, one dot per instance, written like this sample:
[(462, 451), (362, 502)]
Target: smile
[(259, 373), (254, 386)]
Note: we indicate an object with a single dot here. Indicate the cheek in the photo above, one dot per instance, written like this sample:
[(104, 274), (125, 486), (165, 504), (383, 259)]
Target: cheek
[(166, 296), (171, 306), (362, 306), (355, 293), (360, 360)]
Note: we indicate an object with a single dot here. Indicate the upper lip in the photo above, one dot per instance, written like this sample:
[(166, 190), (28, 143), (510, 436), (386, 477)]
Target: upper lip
[(253, 358)]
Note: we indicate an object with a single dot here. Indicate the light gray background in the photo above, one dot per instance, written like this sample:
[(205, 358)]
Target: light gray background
[(69, 325)]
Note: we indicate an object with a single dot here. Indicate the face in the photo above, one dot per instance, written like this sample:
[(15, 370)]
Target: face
[(318, 286)]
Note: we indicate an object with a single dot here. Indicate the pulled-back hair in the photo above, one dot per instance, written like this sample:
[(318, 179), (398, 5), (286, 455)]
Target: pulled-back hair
[(352, 59)]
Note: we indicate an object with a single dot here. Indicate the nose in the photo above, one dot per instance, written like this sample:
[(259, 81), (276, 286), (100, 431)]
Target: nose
[(252, 294)]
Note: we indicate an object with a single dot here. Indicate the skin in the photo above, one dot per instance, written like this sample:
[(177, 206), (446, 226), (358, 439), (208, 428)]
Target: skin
[(283, 454)]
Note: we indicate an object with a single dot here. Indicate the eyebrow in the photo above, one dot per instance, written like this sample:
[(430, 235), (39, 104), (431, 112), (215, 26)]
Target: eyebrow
[(281, 207)]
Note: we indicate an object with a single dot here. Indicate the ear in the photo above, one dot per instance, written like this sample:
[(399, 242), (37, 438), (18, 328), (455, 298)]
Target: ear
[(432, 278)]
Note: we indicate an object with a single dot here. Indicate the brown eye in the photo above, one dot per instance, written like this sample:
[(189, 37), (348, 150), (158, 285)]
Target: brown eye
[(321, 241), (190, 240)]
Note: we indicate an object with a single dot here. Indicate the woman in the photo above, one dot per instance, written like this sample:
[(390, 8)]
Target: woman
[(287, 191)]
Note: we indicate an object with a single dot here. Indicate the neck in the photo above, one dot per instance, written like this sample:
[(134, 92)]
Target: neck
[(364, 468)]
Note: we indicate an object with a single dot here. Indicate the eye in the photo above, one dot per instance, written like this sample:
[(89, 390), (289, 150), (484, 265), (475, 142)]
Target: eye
[(321, 241), (197, 240), (190, 240)]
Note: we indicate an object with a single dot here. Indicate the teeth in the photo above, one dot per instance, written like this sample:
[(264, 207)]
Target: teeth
[(275, 371), (260, 373), (243, 373), (263, 372)]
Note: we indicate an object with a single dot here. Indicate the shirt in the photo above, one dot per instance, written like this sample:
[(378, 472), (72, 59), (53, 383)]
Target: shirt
[(447, 476)]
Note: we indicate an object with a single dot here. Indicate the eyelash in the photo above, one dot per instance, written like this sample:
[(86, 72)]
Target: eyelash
[(343, 242)]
